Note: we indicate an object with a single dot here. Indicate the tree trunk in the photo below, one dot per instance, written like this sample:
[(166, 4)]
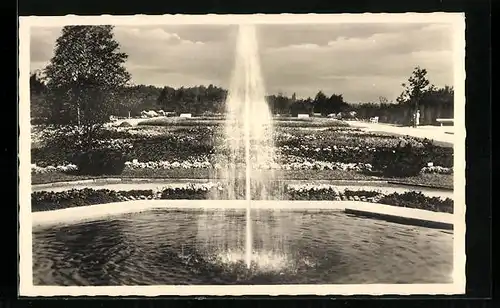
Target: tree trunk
[(78, 114)]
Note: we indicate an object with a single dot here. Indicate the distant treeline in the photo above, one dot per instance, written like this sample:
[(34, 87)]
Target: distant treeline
[(435, 103), (206, 100)]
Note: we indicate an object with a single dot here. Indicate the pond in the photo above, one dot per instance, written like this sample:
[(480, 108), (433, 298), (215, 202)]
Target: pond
[(207, 247)]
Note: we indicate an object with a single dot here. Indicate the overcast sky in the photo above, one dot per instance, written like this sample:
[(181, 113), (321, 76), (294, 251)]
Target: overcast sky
[(360, 61)]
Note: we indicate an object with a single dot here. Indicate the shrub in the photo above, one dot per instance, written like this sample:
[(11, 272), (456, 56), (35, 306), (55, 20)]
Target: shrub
[(125, 124), (402, 161), (359, 193), (168, 147), (419, 201), (102, 161), (48, 200), (183, 193)]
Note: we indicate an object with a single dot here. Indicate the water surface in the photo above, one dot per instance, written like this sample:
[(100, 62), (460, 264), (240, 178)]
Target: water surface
[(200, 247)]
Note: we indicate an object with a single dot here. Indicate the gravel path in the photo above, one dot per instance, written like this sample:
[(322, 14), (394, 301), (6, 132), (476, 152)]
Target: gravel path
[(438, 133)]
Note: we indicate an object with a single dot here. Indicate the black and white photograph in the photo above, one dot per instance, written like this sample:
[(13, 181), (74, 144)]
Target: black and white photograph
[(242, 154)]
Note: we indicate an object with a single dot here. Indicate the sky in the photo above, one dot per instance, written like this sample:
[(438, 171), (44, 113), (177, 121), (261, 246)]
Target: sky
[(360, 61)]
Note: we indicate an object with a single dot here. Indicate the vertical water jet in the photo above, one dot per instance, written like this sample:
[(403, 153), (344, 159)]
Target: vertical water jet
[(246, 151)]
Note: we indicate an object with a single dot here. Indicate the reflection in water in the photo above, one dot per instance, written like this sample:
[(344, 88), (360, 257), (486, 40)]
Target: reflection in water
[(165, 247)]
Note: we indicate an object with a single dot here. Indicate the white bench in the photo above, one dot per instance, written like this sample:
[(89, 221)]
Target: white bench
[(374, 120), (443, 121)]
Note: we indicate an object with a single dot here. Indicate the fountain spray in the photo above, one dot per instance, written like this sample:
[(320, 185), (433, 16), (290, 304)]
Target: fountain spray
[(248, 130)]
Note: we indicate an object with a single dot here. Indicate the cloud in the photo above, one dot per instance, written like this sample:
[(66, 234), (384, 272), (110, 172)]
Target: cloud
[(321, 34), (42, 42), (152, 35), (167, 58), (360, 61), (159, 55), (361, 67)]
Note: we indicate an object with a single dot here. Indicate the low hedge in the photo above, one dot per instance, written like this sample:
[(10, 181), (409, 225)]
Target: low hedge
[(100, 162), (418, 200), (399, 162), (46, 200)]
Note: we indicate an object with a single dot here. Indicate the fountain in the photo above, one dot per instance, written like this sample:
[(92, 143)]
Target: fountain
[(248, 132), (169, 245)]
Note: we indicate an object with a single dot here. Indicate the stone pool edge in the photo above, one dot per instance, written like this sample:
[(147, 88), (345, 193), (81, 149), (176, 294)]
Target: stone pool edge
[(390, 213)]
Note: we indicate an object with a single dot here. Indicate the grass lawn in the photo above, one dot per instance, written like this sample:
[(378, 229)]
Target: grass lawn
[(433, 180)]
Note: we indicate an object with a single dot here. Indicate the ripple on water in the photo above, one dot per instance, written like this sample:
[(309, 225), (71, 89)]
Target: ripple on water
[(208, 247)]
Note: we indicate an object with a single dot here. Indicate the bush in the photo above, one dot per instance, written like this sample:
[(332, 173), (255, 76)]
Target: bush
[(402, 161), (125, 124), (48, 200), (100, 162), (160, 148), (418, 200), (184, 193), (59, 145)]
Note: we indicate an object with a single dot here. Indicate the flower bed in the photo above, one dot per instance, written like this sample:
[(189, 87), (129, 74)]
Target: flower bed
[(62, 168), (437, 170), (43, 201), (179, 144), (200, 162), (295, 163)]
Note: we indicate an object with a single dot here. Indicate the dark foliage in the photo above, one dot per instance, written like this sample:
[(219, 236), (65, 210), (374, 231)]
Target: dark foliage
[(168, 147), (46, 200), (100, 162), (184, 193), (402, 161), (125, 124), (418, 200)]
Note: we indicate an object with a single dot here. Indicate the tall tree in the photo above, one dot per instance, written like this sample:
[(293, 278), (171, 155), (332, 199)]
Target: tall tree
[(383, 100), (335, 104), (38, 105), (85, 76), (166, 99), (415, 88), (37, 85), (320, 102)]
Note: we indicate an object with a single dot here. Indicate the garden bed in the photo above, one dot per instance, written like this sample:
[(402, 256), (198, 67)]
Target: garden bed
[(337, 145), (46, 200)]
